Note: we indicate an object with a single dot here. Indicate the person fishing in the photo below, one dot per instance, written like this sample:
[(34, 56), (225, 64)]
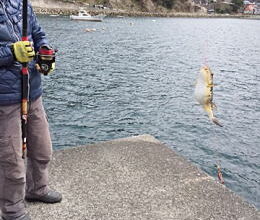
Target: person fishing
[(20, 55)]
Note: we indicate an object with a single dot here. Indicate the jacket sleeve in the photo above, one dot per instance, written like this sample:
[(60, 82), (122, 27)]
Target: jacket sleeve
[(6, 56), (38, 35)]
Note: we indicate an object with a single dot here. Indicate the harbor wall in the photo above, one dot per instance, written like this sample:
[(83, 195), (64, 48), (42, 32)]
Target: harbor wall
[(136, 178)]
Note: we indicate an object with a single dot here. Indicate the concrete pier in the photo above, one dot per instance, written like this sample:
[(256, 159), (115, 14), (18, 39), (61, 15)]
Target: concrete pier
[(136, 178)]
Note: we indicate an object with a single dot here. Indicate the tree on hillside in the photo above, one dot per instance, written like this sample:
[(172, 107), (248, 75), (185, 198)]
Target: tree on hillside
[(237, 4), (165, 3)]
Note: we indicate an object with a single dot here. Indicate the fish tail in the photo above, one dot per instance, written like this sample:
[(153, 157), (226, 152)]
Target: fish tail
[(209, 109), (215, 121)]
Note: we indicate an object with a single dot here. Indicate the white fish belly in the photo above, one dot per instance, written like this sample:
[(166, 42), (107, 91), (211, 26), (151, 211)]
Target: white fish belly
[(200, 93)]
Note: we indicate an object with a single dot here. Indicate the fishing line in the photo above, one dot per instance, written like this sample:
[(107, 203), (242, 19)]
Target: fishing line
[(218, 163), (206, 43), (205, 51), (215, 138), (216, 155)]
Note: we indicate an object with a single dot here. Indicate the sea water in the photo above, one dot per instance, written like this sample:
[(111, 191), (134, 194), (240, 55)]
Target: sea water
[(132, 76)]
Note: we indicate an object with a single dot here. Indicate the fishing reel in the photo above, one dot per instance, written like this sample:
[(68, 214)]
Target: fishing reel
[(45, 59)]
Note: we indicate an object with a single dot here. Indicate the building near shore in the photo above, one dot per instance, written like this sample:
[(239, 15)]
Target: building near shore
[(251, 7), (218, 6), (221, 6), (258, 8)]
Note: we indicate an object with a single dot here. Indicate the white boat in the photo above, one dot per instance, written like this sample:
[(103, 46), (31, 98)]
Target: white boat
[(85, 16)]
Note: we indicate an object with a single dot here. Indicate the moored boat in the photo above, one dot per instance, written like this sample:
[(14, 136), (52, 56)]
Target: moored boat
[(85, 16)]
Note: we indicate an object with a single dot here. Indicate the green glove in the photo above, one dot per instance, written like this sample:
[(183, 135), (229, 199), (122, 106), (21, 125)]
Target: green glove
[(23, 51)]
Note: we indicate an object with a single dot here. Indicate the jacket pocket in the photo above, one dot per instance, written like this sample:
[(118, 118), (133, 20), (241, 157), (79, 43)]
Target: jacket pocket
[(5, 35), (2, 18)]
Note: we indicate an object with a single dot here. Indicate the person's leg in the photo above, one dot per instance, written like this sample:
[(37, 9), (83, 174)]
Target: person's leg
[(39, 151), (12, 168)]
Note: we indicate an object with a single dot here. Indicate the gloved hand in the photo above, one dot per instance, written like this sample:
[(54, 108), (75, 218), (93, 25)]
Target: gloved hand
[(23, 51), (45, 60)]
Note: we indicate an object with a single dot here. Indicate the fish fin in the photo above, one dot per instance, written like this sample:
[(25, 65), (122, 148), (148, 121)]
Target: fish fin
[(215, 121), (209, 110), (214, 106), (207, 107), (211, 85)]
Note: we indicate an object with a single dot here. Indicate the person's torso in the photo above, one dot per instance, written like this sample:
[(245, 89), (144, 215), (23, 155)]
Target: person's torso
[(10, 75)]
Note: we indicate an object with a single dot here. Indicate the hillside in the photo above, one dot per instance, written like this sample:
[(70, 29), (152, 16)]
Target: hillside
[(129, 5), (152, 5)]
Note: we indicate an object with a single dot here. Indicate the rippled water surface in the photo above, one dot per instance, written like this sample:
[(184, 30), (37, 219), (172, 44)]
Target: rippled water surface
[(136, 75)]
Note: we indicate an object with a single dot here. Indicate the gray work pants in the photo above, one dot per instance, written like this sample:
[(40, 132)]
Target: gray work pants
[(14, 174)]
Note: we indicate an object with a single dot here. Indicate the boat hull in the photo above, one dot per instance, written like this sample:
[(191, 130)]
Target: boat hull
[(79, 18)]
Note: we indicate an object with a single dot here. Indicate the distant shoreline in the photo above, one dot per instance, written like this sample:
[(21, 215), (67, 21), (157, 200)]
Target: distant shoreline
[(115, 13)]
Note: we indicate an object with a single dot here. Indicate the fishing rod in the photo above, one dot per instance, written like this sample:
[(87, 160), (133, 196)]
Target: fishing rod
[(25, 82)]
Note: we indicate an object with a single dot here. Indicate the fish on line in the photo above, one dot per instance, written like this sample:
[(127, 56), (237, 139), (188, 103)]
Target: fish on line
[(204, 93)]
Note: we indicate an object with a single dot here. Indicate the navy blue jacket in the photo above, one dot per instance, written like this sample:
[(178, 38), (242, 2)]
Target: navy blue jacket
[(10, 70)]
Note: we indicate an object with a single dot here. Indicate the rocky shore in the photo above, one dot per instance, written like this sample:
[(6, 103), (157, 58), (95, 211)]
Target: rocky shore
[(56, 7), (115, 13)]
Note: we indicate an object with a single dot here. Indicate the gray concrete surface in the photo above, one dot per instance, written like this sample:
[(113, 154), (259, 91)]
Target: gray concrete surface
[(136, 178)]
